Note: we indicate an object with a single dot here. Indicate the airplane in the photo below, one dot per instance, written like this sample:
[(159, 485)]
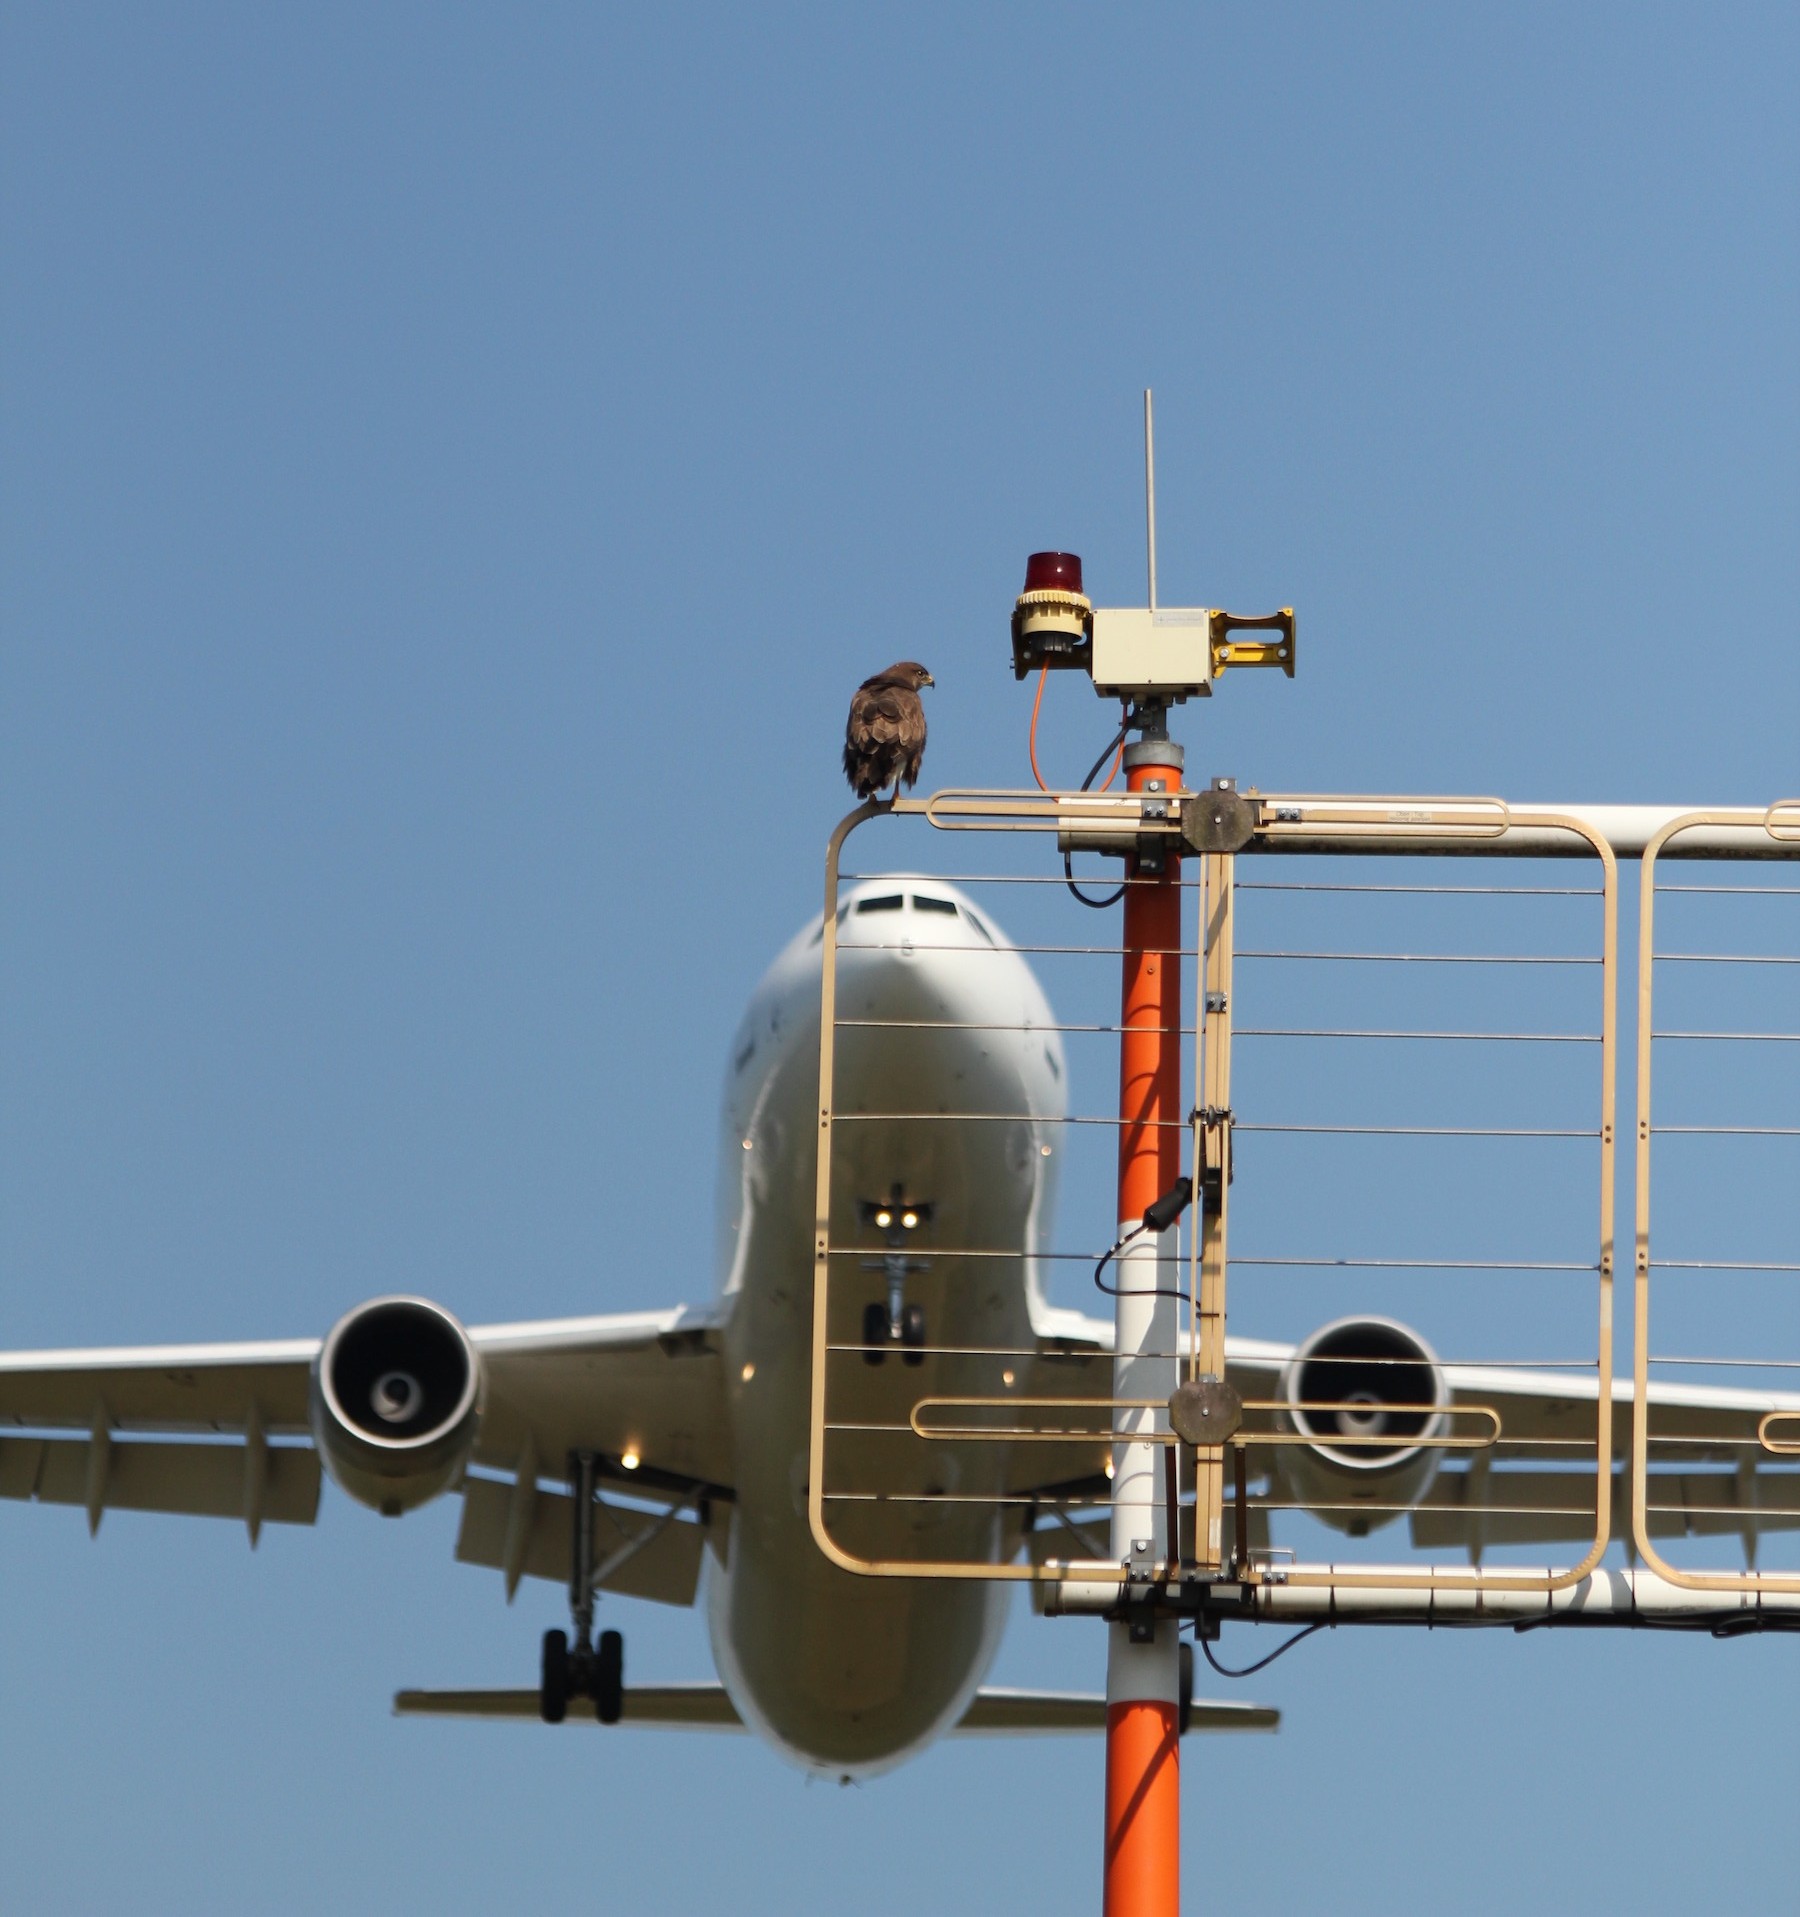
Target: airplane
[(664, 1454)]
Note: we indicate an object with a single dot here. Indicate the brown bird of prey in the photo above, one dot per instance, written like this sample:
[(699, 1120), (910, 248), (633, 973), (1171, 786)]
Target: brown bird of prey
[(884, 737)]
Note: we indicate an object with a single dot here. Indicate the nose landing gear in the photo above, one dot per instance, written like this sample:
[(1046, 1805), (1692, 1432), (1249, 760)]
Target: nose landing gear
[(584, 1668), (882, 1328), (895, 1323)]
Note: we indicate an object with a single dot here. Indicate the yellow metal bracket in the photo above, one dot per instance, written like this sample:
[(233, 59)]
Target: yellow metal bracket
[(1227, 651)]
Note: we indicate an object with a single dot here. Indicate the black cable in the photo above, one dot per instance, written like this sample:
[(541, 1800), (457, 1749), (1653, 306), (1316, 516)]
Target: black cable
[(1107, 1256), (1099, 905), (1262, 1664), (1159, 1217)]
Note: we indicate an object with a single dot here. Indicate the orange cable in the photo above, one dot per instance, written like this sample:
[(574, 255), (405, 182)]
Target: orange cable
[(1031, 740), (1119, 758)]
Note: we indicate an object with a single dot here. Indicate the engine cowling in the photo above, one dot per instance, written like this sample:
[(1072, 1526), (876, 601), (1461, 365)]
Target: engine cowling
[(1375, 1381), (396, 1398)]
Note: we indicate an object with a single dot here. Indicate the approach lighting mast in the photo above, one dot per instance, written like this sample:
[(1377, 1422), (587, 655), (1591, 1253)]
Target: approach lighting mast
[(1151, 657)]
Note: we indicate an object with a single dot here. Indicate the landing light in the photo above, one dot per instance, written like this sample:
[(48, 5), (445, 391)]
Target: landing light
[(884, 1219), (909, 1219), (629, 1460)]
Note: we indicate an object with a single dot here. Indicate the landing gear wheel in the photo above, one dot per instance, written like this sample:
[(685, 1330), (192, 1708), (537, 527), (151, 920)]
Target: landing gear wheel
[(609, 1678), (912, 1334), (553, 1690), (875, 1333)]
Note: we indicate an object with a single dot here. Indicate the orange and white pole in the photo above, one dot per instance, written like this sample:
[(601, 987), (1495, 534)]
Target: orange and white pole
[(1143, 1770)]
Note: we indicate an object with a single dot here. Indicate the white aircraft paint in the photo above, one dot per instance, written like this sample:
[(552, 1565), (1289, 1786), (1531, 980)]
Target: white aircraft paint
[(845, 1673)]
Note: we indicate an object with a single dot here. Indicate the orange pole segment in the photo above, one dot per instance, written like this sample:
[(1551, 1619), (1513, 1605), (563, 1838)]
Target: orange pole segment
[(1143, 1765), (1150, 1021), (1143, 1811)]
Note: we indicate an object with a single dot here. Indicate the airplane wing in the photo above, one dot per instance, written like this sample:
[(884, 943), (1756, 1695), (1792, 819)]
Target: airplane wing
[(994, 1712), (223, 1431), (687, 1707), (1708, 1474), (199, 1417)]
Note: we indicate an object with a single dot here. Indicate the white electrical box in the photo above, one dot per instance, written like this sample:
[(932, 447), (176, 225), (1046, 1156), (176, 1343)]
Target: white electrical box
[(1162, 654)]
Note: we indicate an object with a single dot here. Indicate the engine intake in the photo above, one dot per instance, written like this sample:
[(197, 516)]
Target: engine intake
[(1377, 1382), (396, 1398)]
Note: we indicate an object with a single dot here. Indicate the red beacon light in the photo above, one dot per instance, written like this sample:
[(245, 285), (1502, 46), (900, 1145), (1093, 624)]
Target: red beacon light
[(1053, 572), (1053, 622)]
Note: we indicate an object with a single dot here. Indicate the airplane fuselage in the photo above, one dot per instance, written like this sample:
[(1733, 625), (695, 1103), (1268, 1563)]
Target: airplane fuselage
[(846, 1673)]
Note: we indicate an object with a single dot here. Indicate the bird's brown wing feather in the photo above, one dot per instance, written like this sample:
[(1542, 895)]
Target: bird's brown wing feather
[(884, 736)]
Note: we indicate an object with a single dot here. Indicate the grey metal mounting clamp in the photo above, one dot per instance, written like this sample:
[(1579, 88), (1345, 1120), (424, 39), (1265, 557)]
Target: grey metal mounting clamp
[(1219, 819)]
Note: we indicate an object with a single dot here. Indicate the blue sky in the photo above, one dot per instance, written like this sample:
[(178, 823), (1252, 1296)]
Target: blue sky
[(439, 444)]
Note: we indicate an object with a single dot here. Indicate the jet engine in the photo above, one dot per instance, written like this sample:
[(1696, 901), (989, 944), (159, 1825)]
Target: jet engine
[(1375, 1381), (396, 1397)]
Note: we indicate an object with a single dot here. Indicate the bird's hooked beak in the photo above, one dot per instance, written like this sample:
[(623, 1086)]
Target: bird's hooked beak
[(928, 680)]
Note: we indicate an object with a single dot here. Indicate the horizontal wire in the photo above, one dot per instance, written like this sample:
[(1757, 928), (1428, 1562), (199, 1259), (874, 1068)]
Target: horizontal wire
[(1772, 1038), (1262, 1501), (876, 1255), (1506, 1038), (1027, 1352), (1391, 1508), (971, 1025), (871, 1428), (849, 945), (1726, 1131), (1714, 1264), (1415, 1264), (1182, 1124), (1432, 891), (1427, 1131), (991, 878), (875, 1252), (1086, 1355), (1022, 1499), (1009, 1118), (1751, 891), (1430, 958), (1723, 958), (997, 950), (1277, 885), (1484, 1509), (1738, 1364), (1577, 1452)]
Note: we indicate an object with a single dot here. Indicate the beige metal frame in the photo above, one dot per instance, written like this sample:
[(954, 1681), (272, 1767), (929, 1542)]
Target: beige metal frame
[(1384, 818), (1210, 1148), (1781, 822), (1041, 1434), (1357, 823)]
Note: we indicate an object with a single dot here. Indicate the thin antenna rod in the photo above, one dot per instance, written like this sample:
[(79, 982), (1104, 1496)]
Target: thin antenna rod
[(1150, 492)]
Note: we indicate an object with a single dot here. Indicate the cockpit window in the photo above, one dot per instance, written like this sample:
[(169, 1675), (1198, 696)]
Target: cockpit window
[(978, 924), (888, 902), (922, 904), (843, 912)]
